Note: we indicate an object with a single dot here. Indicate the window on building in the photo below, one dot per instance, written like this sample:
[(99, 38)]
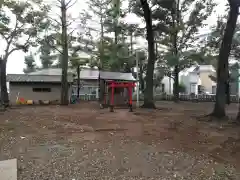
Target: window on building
[(41, 89), (163, 87), (193, 88), (201, 89), (214, 89)]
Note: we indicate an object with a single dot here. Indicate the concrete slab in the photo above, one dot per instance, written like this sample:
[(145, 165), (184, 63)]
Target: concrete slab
[(8, 169)]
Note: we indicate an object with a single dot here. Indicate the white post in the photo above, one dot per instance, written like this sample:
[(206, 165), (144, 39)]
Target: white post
[(137, 80), (170, 85)]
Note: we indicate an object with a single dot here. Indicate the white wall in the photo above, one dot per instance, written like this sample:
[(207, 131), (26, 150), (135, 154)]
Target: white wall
[(184, 79), (194, 78), (188, 79), (168, 83)]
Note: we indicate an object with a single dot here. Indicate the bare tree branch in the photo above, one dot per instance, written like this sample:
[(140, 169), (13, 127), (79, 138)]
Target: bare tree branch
[(68, 5), (70, 23), (12, 50), (11, 35), (10, 39), (54, 47), (3, 35), (60, 1), (59, 23), (23, 47)]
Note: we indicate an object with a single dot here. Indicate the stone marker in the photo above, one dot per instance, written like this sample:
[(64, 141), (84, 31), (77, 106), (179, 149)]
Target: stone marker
[(8, 169)]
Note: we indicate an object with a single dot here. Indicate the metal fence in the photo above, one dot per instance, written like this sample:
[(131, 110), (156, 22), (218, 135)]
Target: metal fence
[(164, 97), (87, 92), (200, 98), (187, 97), (86, 97)]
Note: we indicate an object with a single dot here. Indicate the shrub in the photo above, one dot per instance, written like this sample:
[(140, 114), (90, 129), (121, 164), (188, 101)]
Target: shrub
[(182, 88)]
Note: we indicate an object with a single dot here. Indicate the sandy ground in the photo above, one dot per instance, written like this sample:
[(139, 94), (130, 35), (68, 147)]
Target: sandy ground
[(83, 142)]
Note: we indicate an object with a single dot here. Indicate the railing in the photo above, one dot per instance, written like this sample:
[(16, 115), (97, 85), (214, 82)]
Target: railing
[(86, 97), (164, 97), (200, 98), (188, 97)]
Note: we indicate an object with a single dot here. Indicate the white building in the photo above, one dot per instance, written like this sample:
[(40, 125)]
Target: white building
[(167, 85), (197, 77), (190, 78)]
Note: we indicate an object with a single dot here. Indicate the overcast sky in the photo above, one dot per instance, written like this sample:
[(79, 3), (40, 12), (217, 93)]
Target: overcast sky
[(15, 63)]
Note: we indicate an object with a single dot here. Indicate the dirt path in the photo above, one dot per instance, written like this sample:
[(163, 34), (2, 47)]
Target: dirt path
[(83, 142)]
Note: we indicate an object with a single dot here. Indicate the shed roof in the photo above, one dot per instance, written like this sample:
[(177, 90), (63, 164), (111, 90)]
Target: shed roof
[(204, 68), (88, 74), (116, 76), (84, 73), (50, 71), (35, 78)]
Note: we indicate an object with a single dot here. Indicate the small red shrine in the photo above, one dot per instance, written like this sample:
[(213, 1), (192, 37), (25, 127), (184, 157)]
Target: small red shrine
[(115, 84), (129, 85)]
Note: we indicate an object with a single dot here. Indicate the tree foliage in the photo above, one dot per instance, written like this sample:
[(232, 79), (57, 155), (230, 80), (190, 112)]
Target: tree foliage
[(20, 24), (28, 23), (178, 23), (213, 42), (222, 66), (79, 42), (46, 56), (30, 63), (112, 52)]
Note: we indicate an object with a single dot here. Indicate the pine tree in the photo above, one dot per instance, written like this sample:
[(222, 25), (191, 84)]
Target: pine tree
[(177, 33), (46, 56), (100, 8), (30, 63), (28, 24), (112, 53)]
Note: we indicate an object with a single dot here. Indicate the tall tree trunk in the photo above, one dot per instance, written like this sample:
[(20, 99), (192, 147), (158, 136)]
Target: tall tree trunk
[(131, 43), (131, 52), (101, 67), (238, 114), (176, 20), (141, 80), (64, 84), (4, 92), (78, 81), (156, 49), (222, 69), (148, 93), (176, 84), (228, 96), (102, 91), (102, 45)]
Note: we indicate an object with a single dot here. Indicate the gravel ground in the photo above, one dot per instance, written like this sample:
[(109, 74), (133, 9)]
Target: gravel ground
[(80, 142)]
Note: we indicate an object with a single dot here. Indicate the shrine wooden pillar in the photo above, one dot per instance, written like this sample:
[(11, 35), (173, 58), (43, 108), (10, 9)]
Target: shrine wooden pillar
[(130, 86)]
